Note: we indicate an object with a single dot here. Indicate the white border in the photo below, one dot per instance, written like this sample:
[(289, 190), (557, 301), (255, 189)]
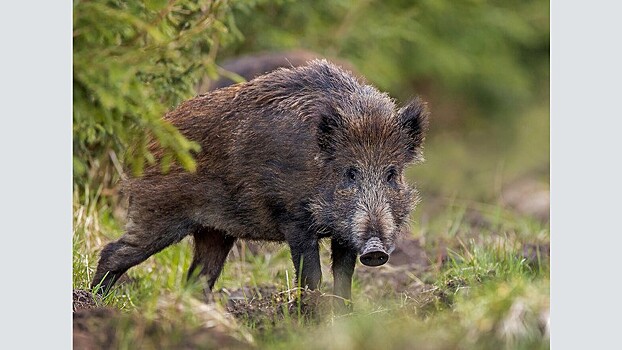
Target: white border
[(586, 174), (35, 174)]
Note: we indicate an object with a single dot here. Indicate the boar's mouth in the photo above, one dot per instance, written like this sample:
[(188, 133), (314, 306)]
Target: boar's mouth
[(374, 253)]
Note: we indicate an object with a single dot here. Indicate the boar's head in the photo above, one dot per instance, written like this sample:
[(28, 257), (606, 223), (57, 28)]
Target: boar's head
[(365, 146)]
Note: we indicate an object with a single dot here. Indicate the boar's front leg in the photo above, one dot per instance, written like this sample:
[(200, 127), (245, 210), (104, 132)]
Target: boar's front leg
[(211, 248), (306, 257), (344, 260)]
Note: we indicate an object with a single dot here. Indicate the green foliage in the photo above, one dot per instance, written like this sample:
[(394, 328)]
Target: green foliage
[(492, 54), (133, 61)]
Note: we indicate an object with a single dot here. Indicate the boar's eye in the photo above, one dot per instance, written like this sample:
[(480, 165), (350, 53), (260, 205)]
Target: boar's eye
[(392, 176), (351, 175)]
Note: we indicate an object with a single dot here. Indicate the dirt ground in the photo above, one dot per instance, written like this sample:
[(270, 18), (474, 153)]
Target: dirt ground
[(96, 327)]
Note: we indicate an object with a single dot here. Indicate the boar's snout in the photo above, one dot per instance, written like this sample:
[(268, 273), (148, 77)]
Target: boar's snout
[(374, 253)]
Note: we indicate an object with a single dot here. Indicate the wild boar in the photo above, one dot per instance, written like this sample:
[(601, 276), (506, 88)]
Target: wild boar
[(293, 156)]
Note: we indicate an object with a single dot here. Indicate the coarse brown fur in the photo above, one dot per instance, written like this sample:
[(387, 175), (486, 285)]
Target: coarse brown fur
[(294, 155)]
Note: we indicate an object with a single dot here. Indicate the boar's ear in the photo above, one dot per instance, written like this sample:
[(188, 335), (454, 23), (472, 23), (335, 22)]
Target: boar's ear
[(330, 122), (413, 118)]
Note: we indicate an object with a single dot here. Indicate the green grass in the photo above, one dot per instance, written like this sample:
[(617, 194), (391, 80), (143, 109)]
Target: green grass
[(484, 294)]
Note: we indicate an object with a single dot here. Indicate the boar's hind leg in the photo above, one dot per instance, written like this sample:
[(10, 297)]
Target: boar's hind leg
[(344, 259), (306, 254), (211, 248), (134, 247)]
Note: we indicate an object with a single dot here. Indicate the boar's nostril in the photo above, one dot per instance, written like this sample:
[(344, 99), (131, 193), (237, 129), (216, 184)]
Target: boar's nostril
[(373, 253), (374, 258)]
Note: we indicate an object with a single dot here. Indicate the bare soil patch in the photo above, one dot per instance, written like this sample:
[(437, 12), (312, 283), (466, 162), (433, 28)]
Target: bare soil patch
[(528, 197), (83, 299), (107, 328), (268, 306), (409, 252)]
